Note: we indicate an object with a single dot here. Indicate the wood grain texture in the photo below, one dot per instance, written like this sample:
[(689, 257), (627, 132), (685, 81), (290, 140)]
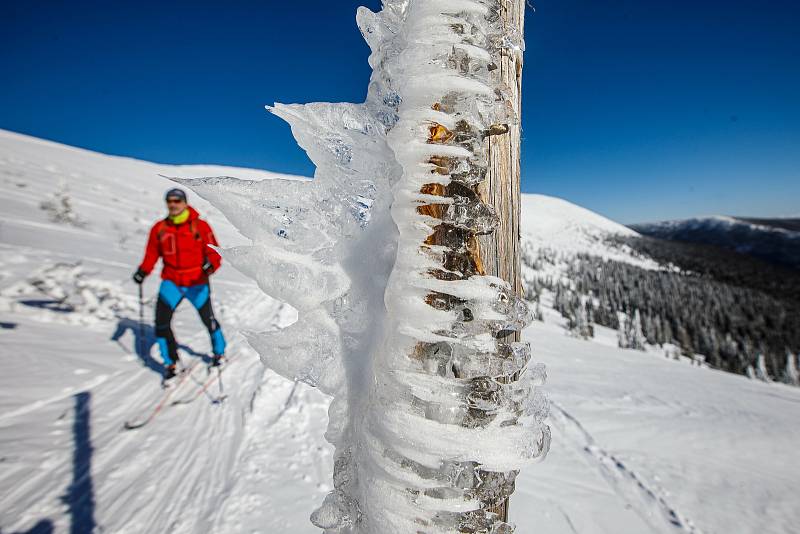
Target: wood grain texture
[(501, 189), (500, 251)]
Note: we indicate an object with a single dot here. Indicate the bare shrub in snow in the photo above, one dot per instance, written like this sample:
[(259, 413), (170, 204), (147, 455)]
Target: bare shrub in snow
[(60, 210)]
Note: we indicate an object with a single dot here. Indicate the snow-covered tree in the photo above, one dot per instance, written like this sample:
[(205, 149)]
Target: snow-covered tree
[(434, 410), (630, 335), (579, 324), (622, 339), (791, 375), (761, 372), (637, 339), (750, 372)]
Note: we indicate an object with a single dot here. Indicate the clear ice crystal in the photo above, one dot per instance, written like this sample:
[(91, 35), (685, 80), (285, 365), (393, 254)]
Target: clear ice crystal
[(472, 214)]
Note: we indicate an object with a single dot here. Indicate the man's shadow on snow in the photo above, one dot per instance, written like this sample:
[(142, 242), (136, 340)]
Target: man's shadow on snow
[(79, 496), (144, 337), (48, 304)]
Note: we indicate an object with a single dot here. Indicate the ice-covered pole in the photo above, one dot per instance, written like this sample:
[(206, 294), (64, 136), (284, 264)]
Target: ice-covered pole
[(500, 250), (400, 257), (453, 413)]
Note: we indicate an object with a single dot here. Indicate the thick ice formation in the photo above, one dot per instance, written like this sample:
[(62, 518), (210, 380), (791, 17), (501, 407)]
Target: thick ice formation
[(433, 414)]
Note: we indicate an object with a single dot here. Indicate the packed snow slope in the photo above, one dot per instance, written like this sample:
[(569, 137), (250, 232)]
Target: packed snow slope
[(557, 225), (641, 444), (556, 222)]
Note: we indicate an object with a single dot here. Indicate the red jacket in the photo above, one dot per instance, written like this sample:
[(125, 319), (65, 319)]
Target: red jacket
[(183, 248)]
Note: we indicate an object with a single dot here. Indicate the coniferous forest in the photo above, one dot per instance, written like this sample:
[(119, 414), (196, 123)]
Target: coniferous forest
[(741, 314)]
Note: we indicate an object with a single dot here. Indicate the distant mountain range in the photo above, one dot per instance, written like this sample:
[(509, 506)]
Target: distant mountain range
[(774, 240), (725, 290)]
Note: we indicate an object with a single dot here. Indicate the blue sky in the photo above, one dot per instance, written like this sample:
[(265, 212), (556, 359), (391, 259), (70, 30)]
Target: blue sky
[(640, 110)]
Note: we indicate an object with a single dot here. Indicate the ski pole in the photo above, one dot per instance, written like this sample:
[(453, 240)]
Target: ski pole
[(142, 343)]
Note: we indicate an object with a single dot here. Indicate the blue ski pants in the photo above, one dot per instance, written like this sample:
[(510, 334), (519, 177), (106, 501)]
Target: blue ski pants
[(169, 296)]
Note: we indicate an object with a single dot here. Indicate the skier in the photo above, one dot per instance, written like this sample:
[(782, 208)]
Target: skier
[(182, 242)]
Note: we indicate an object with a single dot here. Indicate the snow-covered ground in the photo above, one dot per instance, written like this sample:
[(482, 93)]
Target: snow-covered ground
[(645, 444), (72, 378), (640, 443)]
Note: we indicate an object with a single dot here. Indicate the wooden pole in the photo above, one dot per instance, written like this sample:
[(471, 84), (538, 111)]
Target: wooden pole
[(496, 253), (500, 251)]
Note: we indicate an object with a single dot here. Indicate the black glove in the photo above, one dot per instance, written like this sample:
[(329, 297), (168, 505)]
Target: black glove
[(207, 267), (139, 276)]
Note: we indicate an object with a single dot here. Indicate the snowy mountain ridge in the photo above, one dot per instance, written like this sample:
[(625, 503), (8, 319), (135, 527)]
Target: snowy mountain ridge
[(725, 222), (562, 220), (641, 443), (563, 230), (773, 240), (26, 144)]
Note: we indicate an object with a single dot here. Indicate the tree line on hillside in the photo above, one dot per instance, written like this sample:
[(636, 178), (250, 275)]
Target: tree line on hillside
[(737, 329), (717, 263)]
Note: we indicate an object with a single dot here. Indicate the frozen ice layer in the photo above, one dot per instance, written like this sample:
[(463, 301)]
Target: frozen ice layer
[(314, 359), (459, 361), (450, 392), (470, 214), (303, 282), (434, 411)]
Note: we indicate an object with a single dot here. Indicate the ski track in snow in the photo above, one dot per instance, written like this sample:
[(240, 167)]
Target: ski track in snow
[(652, 507), (282, 450), (92, 384), (147, 501), (170, 494)]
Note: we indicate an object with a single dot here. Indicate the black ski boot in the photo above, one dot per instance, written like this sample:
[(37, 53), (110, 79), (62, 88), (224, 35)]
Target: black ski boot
[(169, 372), (217, 360)]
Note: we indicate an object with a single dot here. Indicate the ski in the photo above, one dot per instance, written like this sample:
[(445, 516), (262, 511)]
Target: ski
[(213, 378), (169, 391)]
